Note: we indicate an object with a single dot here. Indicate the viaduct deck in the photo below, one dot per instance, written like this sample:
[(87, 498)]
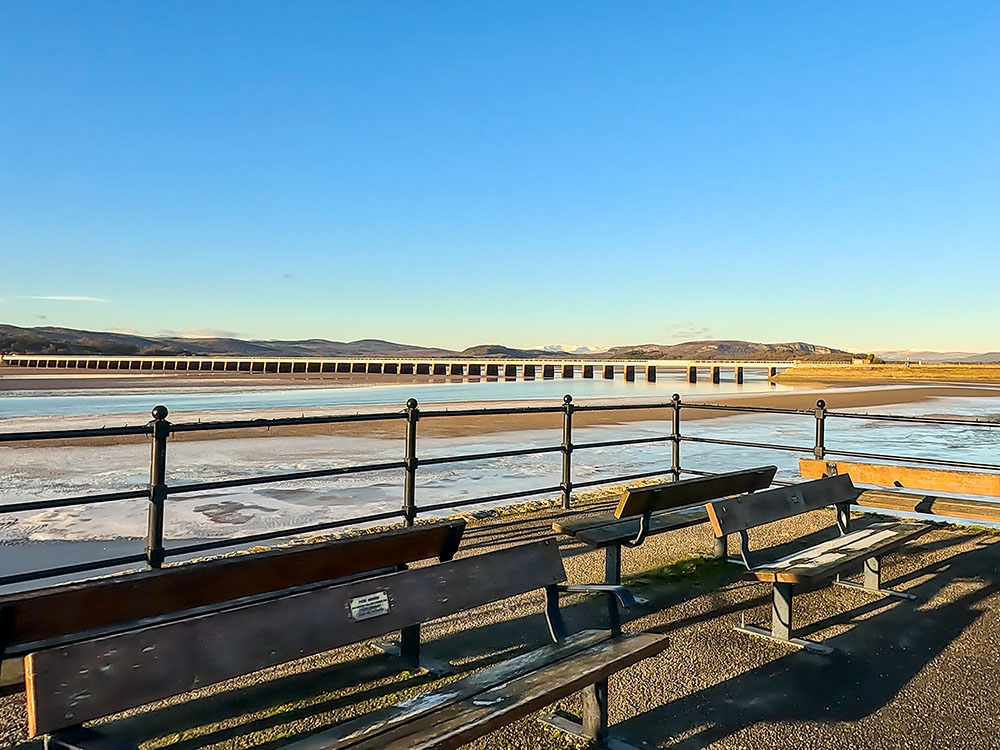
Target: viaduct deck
[(451, 367)]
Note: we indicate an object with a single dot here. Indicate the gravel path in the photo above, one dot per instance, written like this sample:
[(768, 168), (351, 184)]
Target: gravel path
[(906, 674)]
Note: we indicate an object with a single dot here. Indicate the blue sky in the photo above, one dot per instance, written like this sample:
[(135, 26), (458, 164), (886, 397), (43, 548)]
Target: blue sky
[(457, 173)]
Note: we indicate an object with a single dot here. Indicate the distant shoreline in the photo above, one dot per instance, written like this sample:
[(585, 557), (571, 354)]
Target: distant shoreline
[(894, 373), (21, 379)]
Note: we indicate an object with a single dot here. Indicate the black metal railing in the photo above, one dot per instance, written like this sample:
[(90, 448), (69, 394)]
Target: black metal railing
[(159, 490)]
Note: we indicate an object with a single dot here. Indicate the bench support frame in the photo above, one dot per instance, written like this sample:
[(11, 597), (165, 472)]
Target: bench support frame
[(781, 622), (781, 607), (720, 550), (872, 581), (593, 723), (613, 576), (407, 650)]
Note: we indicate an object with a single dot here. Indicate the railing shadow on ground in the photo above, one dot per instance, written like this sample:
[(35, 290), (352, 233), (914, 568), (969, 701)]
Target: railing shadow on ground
[(858, 681)]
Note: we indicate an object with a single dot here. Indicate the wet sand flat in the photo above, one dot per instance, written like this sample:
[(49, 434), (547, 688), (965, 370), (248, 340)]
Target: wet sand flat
[(25, 379), (892, 373), (436, 423)]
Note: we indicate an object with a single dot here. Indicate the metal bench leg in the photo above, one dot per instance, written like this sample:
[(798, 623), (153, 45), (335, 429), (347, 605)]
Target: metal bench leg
[(721, 549), (408, 651), (594, 723), (595, 712), (613, 572), (613, 575), (872, 581), (781, 622), (613, 564), (781, 611)]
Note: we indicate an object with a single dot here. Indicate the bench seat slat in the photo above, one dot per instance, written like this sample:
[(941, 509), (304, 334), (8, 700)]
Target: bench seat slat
[(464, 721), (78, 682), (382, 720), (828, 558), (601, 531)]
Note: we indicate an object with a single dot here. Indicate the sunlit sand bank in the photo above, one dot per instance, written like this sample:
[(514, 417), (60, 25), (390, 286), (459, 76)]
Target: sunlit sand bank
[(867, 397)]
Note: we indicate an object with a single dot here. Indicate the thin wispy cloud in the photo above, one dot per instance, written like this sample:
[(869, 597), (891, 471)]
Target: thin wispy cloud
[(65, 298), (199, 333), (688, 330)]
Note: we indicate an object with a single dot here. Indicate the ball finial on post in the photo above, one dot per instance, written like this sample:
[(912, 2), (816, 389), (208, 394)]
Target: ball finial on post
[(567, 399), (159, 412), (821, 404), (411, 404)]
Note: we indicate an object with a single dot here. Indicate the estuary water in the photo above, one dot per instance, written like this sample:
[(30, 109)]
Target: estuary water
[(33, 539), (35, 471), (136, 402)]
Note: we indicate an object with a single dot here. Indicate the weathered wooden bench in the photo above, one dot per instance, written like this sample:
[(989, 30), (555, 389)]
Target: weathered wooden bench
[(863, 547), (92, 679), (60, 615), (916, 478), (658, 508)]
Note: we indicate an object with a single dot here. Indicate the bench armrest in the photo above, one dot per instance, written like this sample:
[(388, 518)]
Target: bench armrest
[(622, 594), (554, 618)]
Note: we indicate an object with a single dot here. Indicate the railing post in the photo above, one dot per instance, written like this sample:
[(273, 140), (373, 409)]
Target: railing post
[(157, 487), (410, 482), (567, 451), (820, 449), (675, 434)]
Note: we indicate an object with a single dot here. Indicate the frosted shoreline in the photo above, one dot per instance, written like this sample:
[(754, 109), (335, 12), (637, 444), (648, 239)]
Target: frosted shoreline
[(41, 471)]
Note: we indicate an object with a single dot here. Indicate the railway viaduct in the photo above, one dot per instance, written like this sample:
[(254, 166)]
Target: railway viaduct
[(509, 369)]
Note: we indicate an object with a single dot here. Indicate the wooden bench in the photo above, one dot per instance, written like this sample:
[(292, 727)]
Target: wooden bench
[(828, 560), (59, 615), (916, 478), (88, 680), (658, 508)]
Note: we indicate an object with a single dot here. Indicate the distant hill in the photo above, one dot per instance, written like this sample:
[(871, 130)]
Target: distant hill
[(582, 349), (730, 350), (901, 355), (498, 350), (50, 340), (914, 355), (985, 357)]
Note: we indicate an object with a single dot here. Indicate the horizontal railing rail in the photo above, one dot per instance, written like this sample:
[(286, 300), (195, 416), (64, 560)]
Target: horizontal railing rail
[(158, 491)]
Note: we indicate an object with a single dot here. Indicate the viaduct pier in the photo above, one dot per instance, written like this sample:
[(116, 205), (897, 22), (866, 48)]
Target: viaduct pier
[(508, 369)]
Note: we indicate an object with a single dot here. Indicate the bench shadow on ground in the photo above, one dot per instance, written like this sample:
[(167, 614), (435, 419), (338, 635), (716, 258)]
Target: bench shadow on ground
[(873, 661)]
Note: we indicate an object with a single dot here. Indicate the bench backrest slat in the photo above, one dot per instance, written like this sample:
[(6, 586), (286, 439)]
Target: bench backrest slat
[(745, 512), (909, 477), (58, 613), (672, 495), (87, 680)]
